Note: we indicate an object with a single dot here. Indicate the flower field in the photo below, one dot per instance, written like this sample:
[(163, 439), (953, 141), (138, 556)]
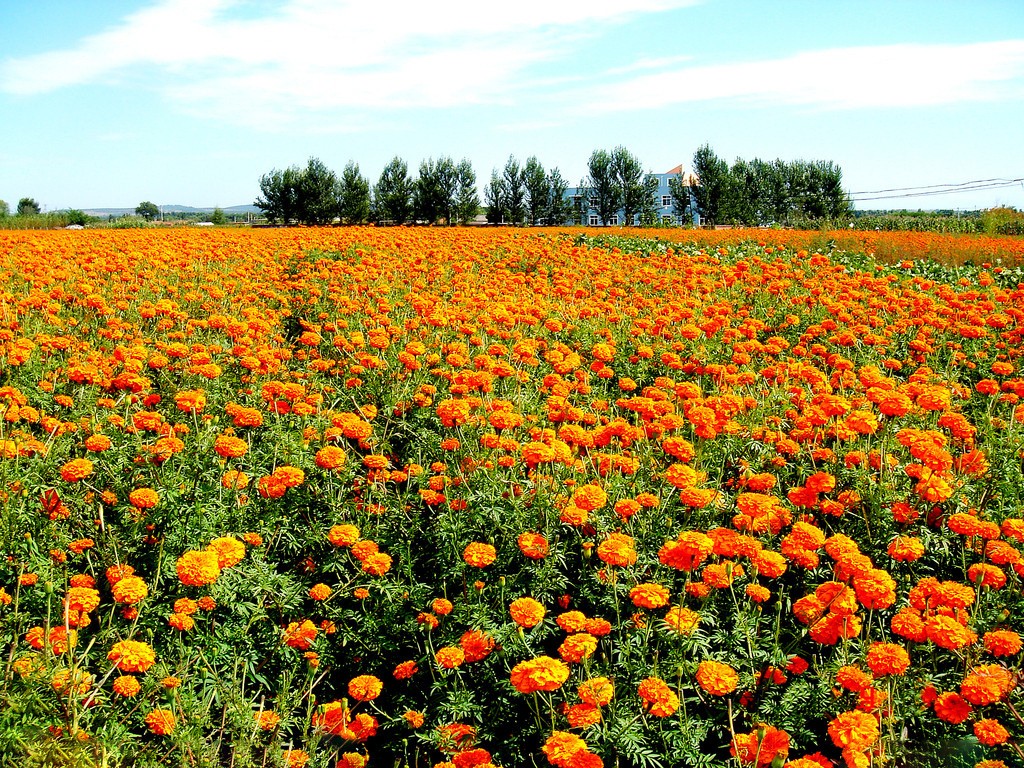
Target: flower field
[(439, 497)]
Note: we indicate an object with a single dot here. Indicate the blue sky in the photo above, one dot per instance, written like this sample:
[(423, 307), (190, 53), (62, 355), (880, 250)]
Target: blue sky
[(105, 103)]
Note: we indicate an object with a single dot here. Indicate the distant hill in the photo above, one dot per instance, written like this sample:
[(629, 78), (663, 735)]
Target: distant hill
[(104, 212)]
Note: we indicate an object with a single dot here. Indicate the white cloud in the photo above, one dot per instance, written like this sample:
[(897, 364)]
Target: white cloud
[(216, 57), (906, 75)]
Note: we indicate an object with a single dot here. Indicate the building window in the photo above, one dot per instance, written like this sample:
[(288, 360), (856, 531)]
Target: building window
[(666, 201), (593, 220), (668, 219), (613, 221)]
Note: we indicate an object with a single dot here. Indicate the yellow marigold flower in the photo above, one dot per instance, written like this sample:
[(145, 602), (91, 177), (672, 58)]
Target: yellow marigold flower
[(198, 568)]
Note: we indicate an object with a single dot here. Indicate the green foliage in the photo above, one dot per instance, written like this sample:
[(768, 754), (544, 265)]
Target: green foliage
[(317, 193), (28, 207), (392, 195), (1003, 221), (147, 210), (354, 196), (433, 193), (603, 186), (218, 218), (280, 200), (467, 201), (5, 209)]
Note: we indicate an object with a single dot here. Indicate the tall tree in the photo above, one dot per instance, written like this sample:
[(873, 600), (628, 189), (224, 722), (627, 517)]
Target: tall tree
[(538, 192), (318, 193), (280, 200), (515, 191), (581, 203), (649, 202), (495, 199), (27, 206), (682, 203), (147, 210), (5, 209), (560, 208), (392, 196), (467, 201), (605, 193), (713, 182), (434, 190), (629, 178), (353, 195)]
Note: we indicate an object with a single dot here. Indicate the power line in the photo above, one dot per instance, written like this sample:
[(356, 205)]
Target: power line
[(936, 186), (977, 186)]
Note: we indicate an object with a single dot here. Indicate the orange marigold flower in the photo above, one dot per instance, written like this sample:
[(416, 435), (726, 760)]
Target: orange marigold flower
[(540, 674), (476, 645), (130, 590), (649, 596), (987, 684), (617, 549), (132, 656), (682, 620), (598, 691), (763, 746), (343, 535), (365, 688), (181, 622), (952, 708), (377, 564), (75, 470), (853, 730), (887, 659), (687, 552), (716, 678), (330, 457), (590, 497), (161, 722), (450, 657), (300, 635), (405, 670), (533, 545), (413, 718), (319, 592), (658, 698), (198, 568), (562, 747), (1002, 642), (233, 479), (527, 612), (267, 720), (479, 555), (853, 678), (84, 599), (990, 732), (126, 685), (230, 447), (577, 647), (228, 549)]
